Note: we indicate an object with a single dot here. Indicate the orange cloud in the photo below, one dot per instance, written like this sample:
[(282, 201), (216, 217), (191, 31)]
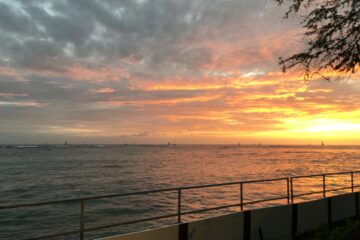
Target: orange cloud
[(105, 90), (162, 102), (11, 72), (80, 72)]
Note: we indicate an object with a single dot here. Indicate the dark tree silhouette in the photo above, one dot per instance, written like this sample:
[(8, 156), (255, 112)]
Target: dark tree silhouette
[(332, 36)]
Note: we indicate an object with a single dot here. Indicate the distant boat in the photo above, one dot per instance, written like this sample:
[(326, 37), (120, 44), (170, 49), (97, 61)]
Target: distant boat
[(322, 144)]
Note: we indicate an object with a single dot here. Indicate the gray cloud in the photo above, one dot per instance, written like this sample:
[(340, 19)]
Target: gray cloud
[(14, 21), (157, 33)]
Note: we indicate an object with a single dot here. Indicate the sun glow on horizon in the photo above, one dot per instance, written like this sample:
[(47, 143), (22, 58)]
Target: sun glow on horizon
[(334, 127)]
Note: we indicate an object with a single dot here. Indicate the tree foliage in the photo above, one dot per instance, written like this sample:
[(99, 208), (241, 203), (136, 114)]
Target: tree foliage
[(332, 35)]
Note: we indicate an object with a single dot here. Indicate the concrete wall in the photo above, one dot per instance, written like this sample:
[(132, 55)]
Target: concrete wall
[(343, 206), (271, 223), (166, 233), (227, 227), (311, 215), (281, 222)]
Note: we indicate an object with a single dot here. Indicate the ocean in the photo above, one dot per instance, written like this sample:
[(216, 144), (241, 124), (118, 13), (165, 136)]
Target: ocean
[(31, 174)]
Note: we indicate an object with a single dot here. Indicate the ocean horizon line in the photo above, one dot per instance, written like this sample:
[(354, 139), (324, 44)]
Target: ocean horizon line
[(170, 144)]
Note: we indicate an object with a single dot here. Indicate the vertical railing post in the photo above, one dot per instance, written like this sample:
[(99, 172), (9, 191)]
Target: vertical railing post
[(82, 206), (291, 190), (179, 205), (288, 190), (352, 181), (324, 185), (241, 197)]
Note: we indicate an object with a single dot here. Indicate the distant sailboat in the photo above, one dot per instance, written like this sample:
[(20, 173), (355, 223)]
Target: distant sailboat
[(322, 144)]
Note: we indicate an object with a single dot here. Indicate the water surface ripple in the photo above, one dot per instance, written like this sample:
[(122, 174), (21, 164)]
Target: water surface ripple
[(44, 174)]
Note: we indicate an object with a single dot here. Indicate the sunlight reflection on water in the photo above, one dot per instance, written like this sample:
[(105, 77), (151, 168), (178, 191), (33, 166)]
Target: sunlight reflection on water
[(30, 175)]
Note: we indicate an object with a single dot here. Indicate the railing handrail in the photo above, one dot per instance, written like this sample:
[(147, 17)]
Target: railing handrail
[(137, 193), (289, 196), (326, 174)]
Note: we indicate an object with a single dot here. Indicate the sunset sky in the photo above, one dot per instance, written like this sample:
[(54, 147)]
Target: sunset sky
[(158, 71)]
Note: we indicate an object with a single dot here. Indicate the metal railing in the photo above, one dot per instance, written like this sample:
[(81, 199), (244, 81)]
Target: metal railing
[(289, 197)]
